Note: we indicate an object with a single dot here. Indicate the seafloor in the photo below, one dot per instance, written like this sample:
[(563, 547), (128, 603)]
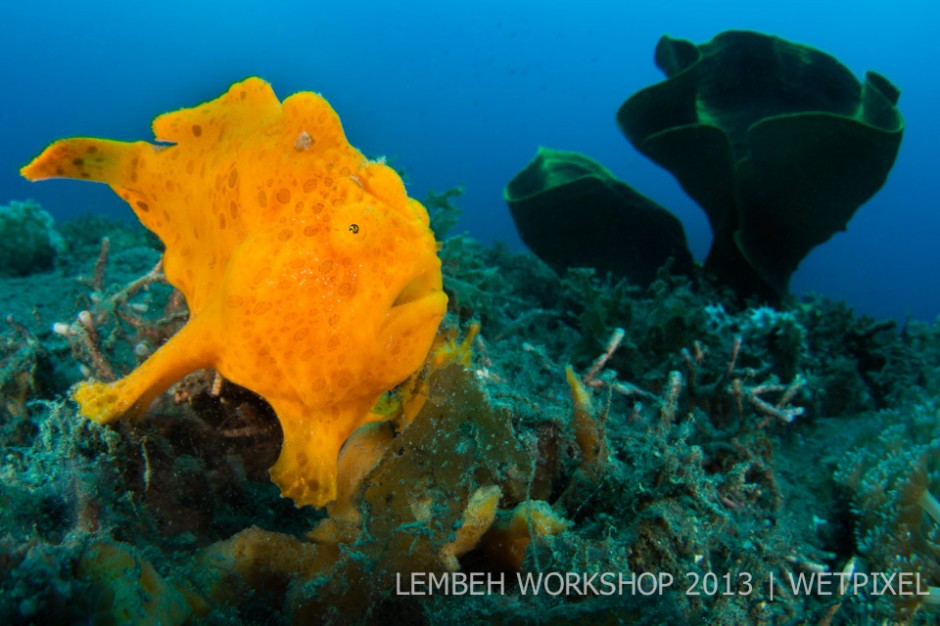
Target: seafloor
[(717, 445)]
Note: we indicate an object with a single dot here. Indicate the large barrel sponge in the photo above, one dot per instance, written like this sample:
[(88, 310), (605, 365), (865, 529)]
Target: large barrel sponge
[(778, 142), (30, 240)]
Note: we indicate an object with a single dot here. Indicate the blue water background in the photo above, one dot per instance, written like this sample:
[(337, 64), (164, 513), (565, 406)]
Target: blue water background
[(464, 92)]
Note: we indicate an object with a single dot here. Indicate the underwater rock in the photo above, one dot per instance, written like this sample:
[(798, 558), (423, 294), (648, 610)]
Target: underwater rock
[(572, 212), (778, 142), (30, 240)]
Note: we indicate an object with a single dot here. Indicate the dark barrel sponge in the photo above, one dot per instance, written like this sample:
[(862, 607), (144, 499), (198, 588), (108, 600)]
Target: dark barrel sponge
[(572, 212), (777, 141)]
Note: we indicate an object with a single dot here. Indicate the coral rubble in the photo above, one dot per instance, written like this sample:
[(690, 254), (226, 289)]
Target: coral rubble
[(572, 424)]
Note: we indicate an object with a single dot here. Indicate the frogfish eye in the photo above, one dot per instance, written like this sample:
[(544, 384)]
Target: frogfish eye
[(354, 228)]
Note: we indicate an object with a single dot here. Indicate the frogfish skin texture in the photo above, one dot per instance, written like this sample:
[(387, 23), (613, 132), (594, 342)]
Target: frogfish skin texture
[(311, 277)]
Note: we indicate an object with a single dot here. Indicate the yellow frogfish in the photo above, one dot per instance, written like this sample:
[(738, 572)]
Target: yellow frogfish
[(310, 275)]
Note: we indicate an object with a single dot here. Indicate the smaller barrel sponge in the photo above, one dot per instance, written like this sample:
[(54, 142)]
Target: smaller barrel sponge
[(572, 212), (30, 240), (778, 142)]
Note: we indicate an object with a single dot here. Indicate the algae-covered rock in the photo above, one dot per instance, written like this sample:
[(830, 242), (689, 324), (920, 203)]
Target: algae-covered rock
[(425, 499), (421, 494), (30, 242)]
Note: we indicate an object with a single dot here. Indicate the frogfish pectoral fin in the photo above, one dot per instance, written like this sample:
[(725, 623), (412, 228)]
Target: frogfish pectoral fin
[(186, 351), (306, 470)]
